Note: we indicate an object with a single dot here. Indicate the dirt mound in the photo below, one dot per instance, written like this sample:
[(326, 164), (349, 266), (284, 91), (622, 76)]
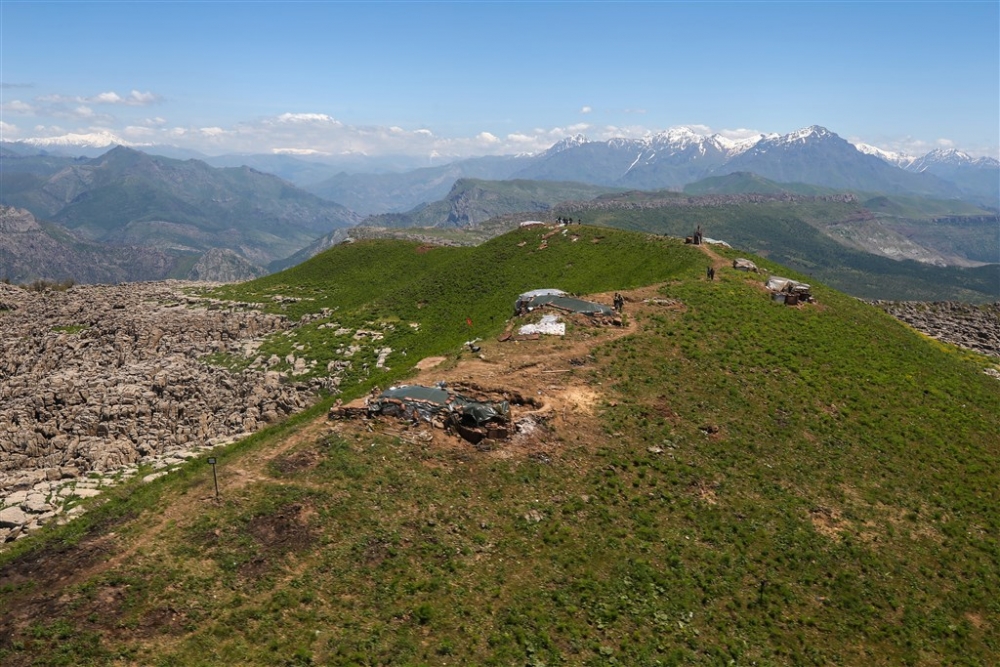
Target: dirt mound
[(545, 380)]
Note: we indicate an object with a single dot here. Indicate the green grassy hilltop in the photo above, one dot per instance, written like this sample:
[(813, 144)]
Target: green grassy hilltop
[(755, 484)]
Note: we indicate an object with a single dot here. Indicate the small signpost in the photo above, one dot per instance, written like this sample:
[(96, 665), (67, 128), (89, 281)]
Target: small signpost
[(211, 461)]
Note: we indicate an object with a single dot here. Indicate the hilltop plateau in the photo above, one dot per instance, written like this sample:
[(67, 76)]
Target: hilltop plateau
[(721, 479)]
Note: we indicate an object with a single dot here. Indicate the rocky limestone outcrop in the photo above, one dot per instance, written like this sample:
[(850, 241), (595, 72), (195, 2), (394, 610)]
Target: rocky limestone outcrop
[(975, 327), (17, 221), (98, 378)]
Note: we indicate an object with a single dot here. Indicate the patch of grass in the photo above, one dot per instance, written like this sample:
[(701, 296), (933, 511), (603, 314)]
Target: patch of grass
[(71, 328)]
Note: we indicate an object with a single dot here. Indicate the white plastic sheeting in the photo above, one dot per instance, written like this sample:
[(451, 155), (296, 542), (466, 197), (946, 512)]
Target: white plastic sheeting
[(549, 324)]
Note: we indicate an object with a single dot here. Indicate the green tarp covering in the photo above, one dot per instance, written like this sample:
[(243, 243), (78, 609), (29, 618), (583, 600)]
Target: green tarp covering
[(428, 402), (565, 303)]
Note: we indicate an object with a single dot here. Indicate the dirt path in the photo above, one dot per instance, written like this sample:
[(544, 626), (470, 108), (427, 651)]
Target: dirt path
[(718, 262)]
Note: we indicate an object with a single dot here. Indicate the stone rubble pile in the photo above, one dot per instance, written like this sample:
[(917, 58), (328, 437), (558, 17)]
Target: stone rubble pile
[(98, 380)]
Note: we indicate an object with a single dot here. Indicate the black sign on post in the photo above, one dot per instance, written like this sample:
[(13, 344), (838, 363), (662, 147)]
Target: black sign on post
[(211, 461)]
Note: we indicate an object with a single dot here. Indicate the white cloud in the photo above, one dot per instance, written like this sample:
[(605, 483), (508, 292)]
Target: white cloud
[(320, 118), (9, 131), (133, 99), (140, 132), (586, 110), (521, 138), (297, 151), (17, 107), (320, 134), (107, 98)]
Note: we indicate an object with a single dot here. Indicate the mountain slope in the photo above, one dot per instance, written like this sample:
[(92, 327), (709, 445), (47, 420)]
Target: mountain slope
[(374, 194), (472, 201), (817, 156), (726, 480), (30, 251), (128, 197)]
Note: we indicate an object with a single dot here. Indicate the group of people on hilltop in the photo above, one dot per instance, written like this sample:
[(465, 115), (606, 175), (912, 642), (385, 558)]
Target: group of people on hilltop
[(568, 221)]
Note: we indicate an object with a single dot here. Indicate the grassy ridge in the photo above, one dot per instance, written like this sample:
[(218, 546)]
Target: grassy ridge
[(793, 238), (768, 485), (387, 285)]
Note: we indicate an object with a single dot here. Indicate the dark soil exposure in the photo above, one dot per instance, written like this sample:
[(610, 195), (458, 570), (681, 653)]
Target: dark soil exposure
[(285, 531), (296, 462)]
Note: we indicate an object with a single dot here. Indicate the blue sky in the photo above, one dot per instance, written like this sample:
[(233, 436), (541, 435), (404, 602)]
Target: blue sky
[(474, 78)]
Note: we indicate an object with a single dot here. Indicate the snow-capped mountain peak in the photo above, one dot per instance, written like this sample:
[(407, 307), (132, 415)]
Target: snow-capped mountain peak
[(811, 133), (898, 159), (567, 143), (951, 158), (737, 146), (101, 139)]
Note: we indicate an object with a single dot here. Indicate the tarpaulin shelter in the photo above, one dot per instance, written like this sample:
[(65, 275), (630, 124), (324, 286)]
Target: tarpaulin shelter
[(529, 301), (788, 291), (527, 297), (779, 284), (474, 420)]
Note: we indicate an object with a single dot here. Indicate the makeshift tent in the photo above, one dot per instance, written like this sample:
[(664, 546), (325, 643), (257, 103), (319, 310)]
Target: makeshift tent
[(528, 296), (779, 284), (788, 291), (529, 301)]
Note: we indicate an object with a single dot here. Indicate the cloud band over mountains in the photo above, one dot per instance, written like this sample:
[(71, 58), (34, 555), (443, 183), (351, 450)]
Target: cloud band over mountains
[(108, 118)]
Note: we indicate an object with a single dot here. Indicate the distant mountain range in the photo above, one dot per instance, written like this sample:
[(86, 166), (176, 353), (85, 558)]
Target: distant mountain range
[(180, 209), (666, 160), (674, 159), (812, 156)]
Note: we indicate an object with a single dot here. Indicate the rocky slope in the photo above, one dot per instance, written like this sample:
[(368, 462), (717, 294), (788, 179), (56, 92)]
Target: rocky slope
[(98, 379), (30, 251), (975, 327)]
